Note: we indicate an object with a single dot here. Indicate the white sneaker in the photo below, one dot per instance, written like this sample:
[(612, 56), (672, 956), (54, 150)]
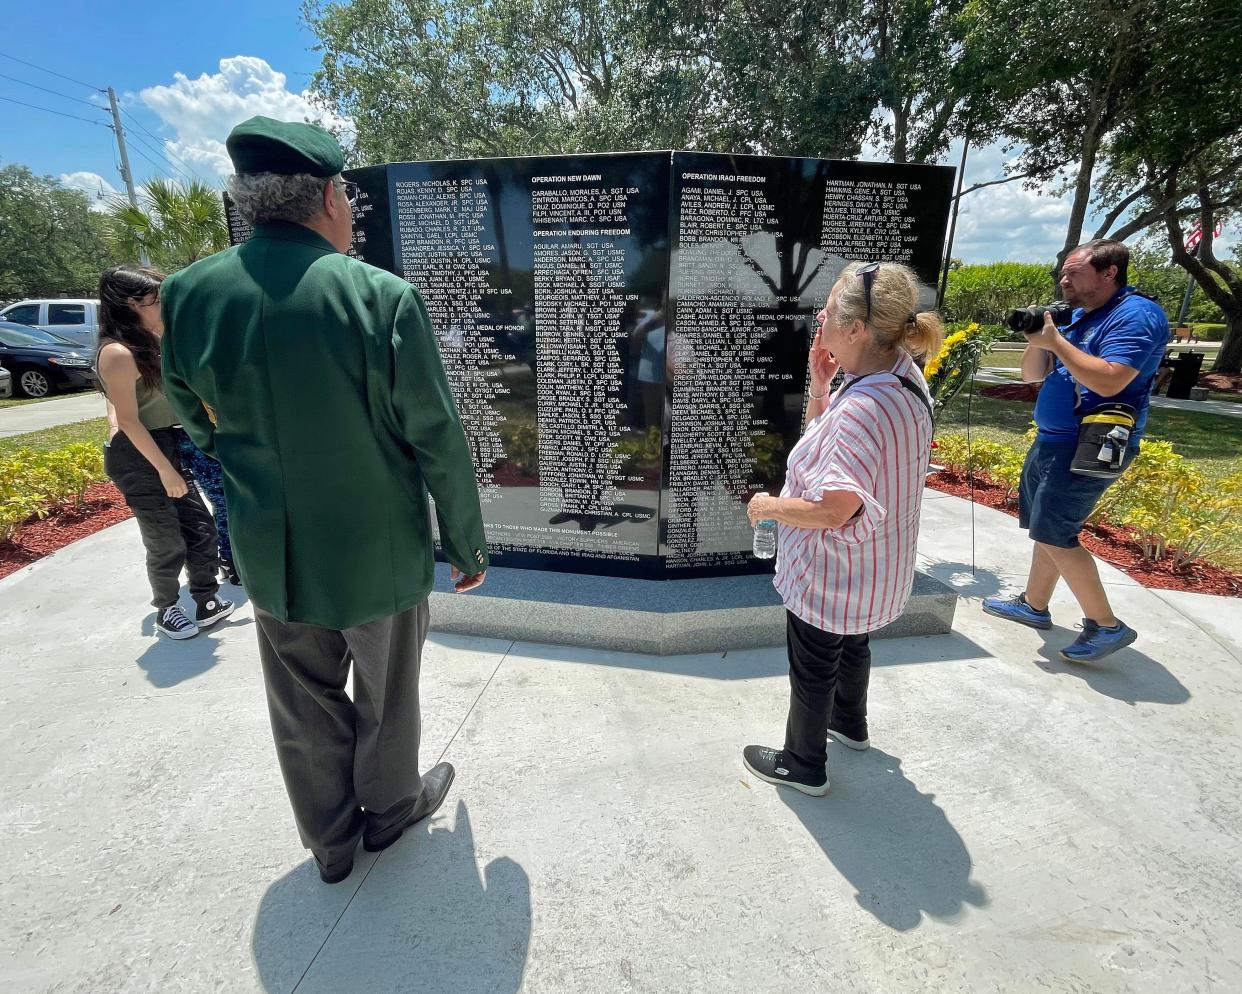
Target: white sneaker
[(173, 623)]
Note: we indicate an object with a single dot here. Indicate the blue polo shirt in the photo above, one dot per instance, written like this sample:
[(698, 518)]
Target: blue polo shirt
[(1130, 329)]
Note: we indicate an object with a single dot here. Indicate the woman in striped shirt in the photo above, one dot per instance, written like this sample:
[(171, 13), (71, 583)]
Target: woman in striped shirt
[(848, 516)]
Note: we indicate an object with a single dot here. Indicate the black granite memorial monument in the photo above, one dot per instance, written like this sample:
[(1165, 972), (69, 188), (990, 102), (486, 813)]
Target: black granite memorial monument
[(626, 334)]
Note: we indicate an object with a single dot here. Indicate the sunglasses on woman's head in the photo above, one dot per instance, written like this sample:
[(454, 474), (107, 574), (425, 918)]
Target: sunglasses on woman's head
[(867, 273)]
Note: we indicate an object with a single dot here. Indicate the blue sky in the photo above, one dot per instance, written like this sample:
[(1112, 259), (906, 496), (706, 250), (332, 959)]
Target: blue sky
[(187, 74)]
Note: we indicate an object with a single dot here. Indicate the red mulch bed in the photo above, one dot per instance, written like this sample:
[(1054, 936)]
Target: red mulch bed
[(1114, 545), (1013, 391), (102, 506), (1222, 382)]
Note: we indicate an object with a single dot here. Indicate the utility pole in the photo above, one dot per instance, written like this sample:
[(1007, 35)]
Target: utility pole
[(126, 174)]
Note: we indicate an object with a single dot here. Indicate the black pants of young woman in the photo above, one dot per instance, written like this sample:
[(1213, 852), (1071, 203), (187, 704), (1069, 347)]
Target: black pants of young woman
[(828, 677), (178, 533)]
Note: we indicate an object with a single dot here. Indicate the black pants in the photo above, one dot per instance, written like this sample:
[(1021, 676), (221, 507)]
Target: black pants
[(176, 533), (828, 677)]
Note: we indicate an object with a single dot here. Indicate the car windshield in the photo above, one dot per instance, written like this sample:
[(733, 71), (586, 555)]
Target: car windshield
[(16, 335)]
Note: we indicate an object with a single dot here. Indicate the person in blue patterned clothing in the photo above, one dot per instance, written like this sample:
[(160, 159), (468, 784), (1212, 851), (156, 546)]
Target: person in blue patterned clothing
[(207, 474)]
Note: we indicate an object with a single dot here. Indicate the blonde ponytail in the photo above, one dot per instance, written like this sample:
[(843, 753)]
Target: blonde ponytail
[(924, 335)]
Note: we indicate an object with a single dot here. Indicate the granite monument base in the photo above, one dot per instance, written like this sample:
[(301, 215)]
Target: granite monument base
[(660, 617)]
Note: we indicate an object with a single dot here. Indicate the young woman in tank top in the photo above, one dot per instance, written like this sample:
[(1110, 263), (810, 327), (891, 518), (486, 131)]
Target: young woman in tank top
[(141, 456)]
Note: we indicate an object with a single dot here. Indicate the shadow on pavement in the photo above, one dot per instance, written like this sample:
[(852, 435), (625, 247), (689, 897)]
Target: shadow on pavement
[(889, 840), (168, 662), (1128, 675), (749, 664), (967, 582), (424, 918)]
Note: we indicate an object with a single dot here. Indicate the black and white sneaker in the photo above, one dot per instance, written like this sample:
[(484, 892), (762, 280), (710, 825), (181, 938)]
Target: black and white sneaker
[(769, 765), (211, 611), (858, 741), (173, 623)]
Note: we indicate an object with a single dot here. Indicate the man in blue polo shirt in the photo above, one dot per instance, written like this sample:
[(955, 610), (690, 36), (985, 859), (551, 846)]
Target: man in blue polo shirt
[(1109, 353)]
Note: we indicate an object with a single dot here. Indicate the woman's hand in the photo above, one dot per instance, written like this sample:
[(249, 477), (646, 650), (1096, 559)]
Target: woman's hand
[(762, 507), (824, 364), (174, 485)]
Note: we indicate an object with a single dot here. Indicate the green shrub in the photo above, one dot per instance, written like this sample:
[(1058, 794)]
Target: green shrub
[(1209, 332), (642, 452), (1000, 463), (1174, 509), (33, 484), (984, 293), (521, 440)]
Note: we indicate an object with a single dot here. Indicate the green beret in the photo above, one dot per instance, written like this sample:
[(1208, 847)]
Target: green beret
[(264, 145)]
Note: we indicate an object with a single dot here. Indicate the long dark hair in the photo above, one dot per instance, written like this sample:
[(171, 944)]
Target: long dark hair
[(119, 322)]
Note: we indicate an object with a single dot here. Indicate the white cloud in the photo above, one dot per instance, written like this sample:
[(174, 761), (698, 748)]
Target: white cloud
[(203, 111), (93, 185), (1007, 222)]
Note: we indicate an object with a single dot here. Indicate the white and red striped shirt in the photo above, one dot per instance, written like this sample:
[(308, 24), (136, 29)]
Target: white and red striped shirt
[(873, 441)]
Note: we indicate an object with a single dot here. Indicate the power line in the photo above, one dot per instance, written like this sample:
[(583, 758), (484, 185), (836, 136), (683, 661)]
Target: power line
[(160, 171), (164, 146), (55, 93), (142, 143), (60, 112), (139, 143), (51, 72)]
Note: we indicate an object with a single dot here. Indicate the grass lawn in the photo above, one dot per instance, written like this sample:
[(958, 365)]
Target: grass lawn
[(16, 401), (92, 432), (1003, 360), (1212, 442)]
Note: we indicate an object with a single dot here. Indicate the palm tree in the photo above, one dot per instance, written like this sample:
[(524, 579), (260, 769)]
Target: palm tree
[(176, 224)]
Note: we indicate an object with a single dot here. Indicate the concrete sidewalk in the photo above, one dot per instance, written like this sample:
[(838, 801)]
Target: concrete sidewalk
[(50, 413), (1020, 824)]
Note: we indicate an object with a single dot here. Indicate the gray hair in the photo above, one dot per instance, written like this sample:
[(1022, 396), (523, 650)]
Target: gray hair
[(895, 318), (276, 197)]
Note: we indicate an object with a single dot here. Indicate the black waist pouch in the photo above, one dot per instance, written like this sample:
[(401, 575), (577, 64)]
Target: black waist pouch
[(1103, 437)]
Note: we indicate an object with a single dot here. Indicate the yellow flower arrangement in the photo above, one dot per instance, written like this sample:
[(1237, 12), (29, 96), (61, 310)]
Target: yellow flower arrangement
[(934, 364)]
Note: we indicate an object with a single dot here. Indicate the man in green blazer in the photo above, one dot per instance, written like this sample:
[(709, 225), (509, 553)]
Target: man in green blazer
[(316, 381)]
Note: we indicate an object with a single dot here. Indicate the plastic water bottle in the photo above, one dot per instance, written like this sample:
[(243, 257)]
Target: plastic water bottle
[(765, 539)]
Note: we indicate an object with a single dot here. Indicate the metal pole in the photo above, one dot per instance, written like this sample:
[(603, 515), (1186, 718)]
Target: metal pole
[(948, 249), (1190, 289), (126, 174)]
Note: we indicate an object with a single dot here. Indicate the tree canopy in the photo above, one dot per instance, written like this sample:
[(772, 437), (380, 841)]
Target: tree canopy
[(176, 224), (51, 242)]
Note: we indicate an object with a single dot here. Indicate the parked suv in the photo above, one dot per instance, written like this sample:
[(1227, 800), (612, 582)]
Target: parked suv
[(76, 319)]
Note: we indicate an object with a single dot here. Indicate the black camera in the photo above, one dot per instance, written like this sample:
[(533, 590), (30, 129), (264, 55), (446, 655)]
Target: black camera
[(1029, 320)]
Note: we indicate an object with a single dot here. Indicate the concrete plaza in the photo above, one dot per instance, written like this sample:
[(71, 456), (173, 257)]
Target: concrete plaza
[(1020, 824)]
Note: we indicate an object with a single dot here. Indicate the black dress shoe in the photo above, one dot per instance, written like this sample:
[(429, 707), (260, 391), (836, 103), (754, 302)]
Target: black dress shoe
[(436, 784), (335, 874)]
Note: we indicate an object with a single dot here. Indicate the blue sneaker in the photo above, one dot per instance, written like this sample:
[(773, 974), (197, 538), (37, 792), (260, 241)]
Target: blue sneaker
[(1017, 609), (1095, 642)]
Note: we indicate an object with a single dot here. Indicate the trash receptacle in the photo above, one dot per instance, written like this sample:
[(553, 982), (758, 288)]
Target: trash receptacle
[(1186, 369)]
